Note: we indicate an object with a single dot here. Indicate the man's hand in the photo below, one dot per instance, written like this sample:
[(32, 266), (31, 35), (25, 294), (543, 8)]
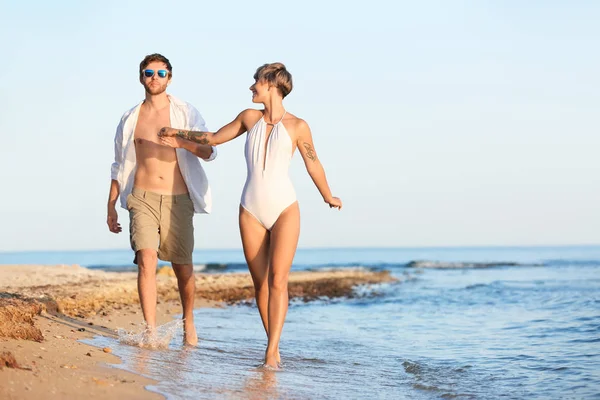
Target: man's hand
[(174, 142), (112, 220), (166, 132)]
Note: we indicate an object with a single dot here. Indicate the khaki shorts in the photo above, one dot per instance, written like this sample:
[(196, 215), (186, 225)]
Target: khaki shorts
[(163, 223)]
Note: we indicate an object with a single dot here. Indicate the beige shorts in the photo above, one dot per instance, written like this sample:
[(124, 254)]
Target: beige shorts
[(163, 223)]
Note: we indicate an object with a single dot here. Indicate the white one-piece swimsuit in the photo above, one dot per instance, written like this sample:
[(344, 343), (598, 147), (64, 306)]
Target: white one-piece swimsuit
[(268, 190)]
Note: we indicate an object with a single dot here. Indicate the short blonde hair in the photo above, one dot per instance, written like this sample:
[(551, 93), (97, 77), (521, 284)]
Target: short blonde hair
[(275, 74)]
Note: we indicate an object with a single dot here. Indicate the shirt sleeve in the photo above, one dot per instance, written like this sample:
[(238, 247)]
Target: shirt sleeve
[(197, 123), (116, 165)]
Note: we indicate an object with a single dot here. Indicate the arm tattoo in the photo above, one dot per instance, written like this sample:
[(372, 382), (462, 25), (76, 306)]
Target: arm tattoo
[(310, 152), (197, 137)]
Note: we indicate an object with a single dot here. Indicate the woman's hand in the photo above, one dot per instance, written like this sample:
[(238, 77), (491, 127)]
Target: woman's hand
[(166, 132), (334, 202)]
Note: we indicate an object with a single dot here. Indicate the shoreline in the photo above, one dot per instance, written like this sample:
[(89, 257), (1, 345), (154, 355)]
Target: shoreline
[(46, 310)]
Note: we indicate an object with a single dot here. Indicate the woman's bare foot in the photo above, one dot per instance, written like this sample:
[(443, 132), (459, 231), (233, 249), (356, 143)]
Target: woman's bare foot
[(190, 337), (272, 361)]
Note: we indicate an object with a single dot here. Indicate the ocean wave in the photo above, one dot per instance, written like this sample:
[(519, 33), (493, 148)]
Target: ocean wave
[(462, 264), (579, 263), (208, 267)]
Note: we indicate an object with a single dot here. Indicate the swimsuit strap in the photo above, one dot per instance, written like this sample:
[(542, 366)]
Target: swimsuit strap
[(285, 112)]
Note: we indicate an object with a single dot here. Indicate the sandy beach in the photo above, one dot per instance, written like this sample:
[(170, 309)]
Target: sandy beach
[(46, 310)]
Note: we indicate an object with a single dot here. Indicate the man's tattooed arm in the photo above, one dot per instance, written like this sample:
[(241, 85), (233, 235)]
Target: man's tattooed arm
[(193, 136), (310, 151)]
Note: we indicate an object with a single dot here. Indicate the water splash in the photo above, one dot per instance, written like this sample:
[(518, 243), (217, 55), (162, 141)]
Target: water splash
[(146, 337)]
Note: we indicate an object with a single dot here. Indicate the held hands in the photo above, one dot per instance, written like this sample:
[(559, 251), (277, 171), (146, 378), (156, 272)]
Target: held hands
[(166, 137), (171, 141), (166, 131), (112, 220), (334, 202)]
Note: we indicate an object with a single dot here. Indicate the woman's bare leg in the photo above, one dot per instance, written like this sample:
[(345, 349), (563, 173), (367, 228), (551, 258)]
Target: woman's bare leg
[(255, 241), (284, 241)]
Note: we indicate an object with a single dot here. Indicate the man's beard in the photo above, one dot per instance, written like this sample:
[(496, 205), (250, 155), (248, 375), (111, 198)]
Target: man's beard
[(156, 89)]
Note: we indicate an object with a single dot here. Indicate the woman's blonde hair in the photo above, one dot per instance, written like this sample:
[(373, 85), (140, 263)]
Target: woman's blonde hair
[(275, 74)]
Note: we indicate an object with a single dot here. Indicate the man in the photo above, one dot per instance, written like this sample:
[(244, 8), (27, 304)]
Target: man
[(161, 187)]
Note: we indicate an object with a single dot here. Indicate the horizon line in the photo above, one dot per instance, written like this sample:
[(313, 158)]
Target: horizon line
[(331, 248)]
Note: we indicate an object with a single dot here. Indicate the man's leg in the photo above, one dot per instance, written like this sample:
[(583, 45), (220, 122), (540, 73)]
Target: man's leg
[(147, 262), (177, 246), (143, 230), (187, 291)]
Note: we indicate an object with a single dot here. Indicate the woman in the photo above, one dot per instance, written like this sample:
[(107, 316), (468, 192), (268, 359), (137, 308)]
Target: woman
[(269, 216)]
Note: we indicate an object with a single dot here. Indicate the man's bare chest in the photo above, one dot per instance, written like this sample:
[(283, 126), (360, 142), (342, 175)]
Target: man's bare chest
[(149, 124)]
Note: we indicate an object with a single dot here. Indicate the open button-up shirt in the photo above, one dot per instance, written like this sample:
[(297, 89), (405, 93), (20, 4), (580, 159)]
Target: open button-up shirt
[(183, 116)]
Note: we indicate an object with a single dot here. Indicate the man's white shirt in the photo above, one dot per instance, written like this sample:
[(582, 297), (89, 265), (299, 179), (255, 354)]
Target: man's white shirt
[(183, 116)]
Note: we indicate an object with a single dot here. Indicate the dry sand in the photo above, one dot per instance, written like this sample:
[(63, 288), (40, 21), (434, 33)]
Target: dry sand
[(45, 310)]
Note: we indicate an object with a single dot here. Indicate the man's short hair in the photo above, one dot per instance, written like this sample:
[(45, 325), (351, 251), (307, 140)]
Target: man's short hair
[(156, 57)]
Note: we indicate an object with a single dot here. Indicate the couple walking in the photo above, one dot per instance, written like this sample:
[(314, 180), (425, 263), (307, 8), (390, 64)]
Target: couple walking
[(161, 182)]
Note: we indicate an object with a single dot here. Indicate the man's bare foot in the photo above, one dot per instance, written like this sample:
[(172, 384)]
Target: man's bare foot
[(148, 338), (190, 337)]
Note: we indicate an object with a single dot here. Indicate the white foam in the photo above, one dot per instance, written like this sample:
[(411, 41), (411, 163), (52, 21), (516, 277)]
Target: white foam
[(199, 267), (157, 338)]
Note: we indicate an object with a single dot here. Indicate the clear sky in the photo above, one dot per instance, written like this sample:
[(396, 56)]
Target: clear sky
[(439, 123)]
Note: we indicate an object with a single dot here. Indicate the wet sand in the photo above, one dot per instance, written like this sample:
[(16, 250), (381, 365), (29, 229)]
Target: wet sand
[(45, 310)]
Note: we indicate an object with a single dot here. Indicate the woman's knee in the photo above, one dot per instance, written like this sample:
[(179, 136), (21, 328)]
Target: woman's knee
[(278, 281), (260, 283)]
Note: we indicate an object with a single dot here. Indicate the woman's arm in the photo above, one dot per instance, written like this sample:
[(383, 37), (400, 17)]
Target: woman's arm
[(313, 165), (205, 152), (230, 131)]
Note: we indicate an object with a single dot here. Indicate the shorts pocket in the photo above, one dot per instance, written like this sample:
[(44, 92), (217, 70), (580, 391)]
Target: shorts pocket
[(128, 201)]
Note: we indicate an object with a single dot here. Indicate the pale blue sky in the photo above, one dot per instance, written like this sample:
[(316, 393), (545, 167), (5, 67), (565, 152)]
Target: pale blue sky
[(439, 123)]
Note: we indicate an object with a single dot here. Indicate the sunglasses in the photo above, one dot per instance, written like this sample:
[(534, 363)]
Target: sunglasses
[(149, 73)]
